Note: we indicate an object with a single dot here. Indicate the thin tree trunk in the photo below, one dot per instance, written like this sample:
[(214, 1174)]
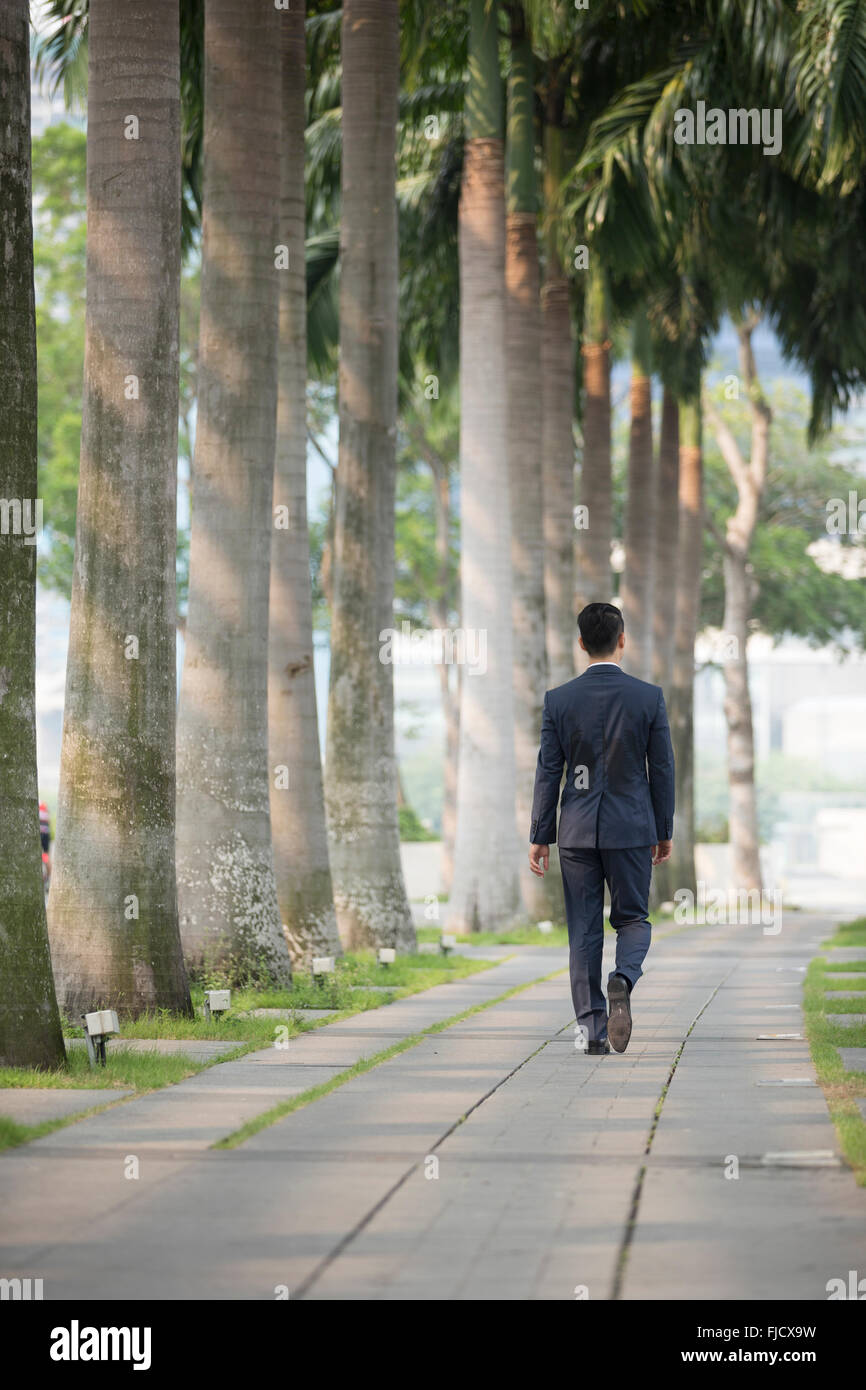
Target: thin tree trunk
[(638, 588), (361, 774), (451, 712), (557, 437), (30, 1033), (667, 540), (485, 892), (524, 420), (593, 540), (666, 575), (113, 907), (227, 891), (297, 798), (742, 804), (750, 479), (681, 701)]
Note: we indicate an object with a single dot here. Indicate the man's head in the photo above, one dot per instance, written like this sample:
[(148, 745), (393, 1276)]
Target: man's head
[(602, 631)]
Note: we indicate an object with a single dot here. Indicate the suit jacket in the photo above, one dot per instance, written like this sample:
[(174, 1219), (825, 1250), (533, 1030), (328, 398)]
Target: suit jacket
[(610, 731)]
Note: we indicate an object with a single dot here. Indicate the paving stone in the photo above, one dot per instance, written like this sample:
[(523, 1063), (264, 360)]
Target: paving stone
[(847, 1020), (853, 1058), (33, 1105)]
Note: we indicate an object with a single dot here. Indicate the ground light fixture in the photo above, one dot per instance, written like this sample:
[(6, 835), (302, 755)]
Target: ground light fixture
[(387, 955), (447, 942), (545, 928), (216, 1003), (322, 966), (98, 1028)]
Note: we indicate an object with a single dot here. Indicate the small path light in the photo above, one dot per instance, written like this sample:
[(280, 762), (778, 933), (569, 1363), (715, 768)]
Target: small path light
[(322, 966), (99, 1026), (447, 942), (545, 928), (216, 1003), (387, 955)]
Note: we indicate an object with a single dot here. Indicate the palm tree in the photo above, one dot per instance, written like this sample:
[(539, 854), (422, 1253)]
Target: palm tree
[(750, 478), (30, 1033), (524, 380), (113, 910), (361, 773), (667, 538), (638, 586), (557, 403), (681, 698), (485, 892), (297, 798), (226, 887), (593, 543)]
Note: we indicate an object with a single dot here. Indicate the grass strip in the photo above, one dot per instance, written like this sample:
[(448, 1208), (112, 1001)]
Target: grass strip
[(842, 1089), (365, 1064)]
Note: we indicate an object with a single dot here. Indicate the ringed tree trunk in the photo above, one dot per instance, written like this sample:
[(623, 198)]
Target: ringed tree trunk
[(449, 690), (113, 910), (557, 433), (750, 478), (360, 768), (524, 420), (298, 826), (30, 1032), (485, 893), (667, 539), (666, 574), (688, 606), (638, 587), (593, 542), (230, 918)]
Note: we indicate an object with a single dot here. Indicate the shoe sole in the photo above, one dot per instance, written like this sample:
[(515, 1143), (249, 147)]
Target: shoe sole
[(619, 1014)]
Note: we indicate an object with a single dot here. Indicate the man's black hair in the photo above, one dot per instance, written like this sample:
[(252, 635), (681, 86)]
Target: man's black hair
[(600, 625)]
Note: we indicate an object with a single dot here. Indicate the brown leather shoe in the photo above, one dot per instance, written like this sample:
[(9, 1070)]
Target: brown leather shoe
[(618, 1013)]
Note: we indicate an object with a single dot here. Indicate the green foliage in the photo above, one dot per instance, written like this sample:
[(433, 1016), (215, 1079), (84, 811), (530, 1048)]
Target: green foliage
[(59, 164), (411, 827)]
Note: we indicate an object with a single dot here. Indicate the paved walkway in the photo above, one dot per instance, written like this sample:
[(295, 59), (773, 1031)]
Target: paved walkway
[(490, 1161)]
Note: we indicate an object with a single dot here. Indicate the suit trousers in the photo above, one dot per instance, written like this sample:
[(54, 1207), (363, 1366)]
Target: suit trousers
[(584, 872)]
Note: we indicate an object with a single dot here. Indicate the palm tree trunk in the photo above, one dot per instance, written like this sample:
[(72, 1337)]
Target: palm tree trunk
[(485, 893), (227, 891), (524, 420), (667, 539), (113, 909), (450, 692), (297, 798), (666, 574), (742, 804), (750, 479), (640, 512), (30, 1033), (593, 542), (681, 702), (361, 774), (557, 437)]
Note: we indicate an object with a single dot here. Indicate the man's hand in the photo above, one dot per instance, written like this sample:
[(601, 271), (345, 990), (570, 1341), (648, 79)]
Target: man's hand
[(539, 858), (662, 851)]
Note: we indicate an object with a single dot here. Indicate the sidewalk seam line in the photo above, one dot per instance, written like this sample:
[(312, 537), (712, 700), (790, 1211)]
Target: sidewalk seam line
[(631, 1220), (346, 1240)]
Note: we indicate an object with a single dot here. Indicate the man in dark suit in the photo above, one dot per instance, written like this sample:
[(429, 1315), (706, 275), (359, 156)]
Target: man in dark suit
[(610, 733)]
